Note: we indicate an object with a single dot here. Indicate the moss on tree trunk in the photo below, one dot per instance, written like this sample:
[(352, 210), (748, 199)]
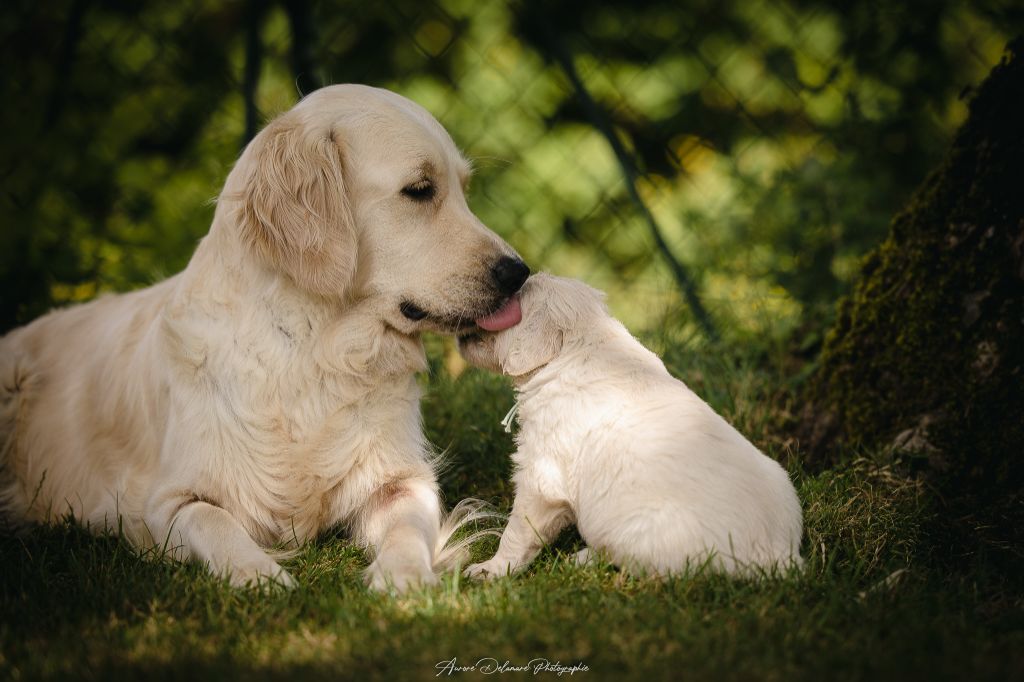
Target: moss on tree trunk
[(927, 352)]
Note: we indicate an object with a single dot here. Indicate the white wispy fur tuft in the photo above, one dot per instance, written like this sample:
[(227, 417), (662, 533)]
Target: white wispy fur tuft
[(452, 552)]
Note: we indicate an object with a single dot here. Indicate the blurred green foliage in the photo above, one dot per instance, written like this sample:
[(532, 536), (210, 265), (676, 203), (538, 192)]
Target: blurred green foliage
[(776, 137)]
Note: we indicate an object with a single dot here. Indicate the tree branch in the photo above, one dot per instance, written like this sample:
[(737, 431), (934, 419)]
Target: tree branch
[(600, 120), (303, 40), (256, 11), (65, 62)]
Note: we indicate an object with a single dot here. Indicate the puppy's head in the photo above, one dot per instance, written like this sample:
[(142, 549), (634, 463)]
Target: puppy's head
[(358, 193), (555, 312)]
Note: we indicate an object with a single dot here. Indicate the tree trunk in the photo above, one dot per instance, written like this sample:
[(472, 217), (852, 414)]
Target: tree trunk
[(927, 354)]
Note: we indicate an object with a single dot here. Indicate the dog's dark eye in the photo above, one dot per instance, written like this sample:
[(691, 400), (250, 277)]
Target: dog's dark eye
[(419, 191)]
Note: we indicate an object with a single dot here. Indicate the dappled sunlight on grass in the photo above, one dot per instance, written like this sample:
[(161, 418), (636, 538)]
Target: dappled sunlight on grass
[(864, 523), (772, 141)]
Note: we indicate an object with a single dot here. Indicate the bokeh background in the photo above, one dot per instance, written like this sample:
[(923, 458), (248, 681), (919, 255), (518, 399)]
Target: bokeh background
[(718, 167)]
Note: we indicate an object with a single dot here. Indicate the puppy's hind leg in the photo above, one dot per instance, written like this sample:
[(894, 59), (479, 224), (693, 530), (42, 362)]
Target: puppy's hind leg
[(535, 521)]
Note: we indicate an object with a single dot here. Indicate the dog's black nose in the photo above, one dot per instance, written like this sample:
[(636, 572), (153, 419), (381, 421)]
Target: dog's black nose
[(509, 274)]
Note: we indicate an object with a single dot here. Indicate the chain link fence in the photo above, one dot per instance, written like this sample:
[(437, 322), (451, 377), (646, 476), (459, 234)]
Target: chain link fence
[(717, 167)]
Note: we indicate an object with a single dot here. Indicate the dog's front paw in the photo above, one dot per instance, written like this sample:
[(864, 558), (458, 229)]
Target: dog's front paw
[(584, 556), (488, 570), (257, 573), (398, 576)]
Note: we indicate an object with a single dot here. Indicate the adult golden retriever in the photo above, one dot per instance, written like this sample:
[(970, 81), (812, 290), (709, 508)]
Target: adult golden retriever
[(268, 392)]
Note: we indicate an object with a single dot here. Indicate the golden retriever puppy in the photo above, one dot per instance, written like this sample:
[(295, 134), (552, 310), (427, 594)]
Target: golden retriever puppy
[(652, 477), (268, 392)]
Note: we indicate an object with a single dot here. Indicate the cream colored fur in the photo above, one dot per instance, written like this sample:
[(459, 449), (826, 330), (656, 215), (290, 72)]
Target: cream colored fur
[(652, 477), (268, 392)]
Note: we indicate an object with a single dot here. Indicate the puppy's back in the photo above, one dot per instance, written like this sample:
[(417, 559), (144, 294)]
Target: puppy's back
[(669, 482)]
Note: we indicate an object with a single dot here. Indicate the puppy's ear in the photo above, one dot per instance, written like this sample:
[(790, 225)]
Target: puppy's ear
[(525, 349), (294, 210)]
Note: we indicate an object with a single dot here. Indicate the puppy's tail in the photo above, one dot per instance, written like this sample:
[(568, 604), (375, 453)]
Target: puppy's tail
[(470, 521)]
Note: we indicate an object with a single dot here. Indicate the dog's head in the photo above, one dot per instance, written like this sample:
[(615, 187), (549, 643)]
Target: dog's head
[(555, 311), (358, 193)]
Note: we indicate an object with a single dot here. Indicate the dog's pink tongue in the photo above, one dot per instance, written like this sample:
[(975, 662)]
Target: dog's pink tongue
[(504, 317)]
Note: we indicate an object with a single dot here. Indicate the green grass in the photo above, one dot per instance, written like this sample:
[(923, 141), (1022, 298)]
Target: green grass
[(883, 594)]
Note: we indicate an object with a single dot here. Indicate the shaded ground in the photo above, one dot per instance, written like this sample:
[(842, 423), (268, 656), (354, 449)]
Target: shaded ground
[(881, 597)]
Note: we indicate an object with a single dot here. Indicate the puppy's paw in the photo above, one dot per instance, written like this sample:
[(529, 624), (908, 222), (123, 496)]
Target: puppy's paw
[(398, 576), (487, 570)]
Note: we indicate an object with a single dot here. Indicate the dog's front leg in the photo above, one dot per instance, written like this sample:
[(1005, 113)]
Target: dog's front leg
[(400, 526), (191, 527), (535, 521)]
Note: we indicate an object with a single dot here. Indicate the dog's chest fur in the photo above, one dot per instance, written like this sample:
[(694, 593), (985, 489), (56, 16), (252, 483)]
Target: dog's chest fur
[(302, 398)]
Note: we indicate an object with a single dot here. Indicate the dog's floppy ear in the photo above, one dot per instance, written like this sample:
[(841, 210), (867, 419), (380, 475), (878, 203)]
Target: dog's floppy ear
[(294, 210)]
